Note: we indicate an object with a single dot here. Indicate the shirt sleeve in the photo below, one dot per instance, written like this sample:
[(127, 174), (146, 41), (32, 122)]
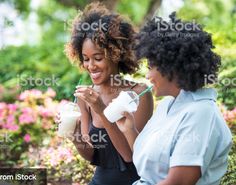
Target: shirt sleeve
[(195, 140)]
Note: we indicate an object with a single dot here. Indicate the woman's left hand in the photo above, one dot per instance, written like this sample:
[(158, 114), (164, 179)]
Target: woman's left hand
[(91, 97)]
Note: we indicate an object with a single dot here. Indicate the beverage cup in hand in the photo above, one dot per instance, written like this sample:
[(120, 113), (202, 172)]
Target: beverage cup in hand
[(69, 113), (127, 101)]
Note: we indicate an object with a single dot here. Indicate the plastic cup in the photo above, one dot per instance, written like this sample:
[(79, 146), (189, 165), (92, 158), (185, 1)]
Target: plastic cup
[(70, 112), (127, 101)]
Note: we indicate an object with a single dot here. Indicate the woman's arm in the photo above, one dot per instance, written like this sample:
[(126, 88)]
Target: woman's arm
[(182, 175), (131, 136), (145, 108), (117, 138), (84, 149), (132, 124)]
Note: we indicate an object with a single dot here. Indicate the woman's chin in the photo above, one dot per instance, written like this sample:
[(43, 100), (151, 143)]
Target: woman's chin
[(97, 81), (156, 92)]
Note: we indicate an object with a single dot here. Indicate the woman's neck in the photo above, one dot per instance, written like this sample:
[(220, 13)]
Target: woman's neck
[(175, 92), (108, 87)]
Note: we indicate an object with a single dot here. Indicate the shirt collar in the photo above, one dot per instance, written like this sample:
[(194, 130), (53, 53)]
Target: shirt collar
[(200, 94)]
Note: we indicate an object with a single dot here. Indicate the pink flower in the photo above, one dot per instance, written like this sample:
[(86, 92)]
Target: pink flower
[(24, 95), (230, 115), (3, 106), (27, 116), (50, 92), (1, 123), (27, 138), (10, 119), (2, 115), (54, 161), (44, 112), (12, 107), (65, 154), (10, 126), (36, 93), (234, 111)]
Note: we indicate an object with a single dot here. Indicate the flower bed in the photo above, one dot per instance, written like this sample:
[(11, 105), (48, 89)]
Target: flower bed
[(28, 132)]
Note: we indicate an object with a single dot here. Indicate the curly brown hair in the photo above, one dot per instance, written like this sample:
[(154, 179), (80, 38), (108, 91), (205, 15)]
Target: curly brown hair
[(108, 31)]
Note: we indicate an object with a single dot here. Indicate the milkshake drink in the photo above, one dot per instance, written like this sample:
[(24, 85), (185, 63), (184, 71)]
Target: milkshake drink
[(127, 101), (69, 114)]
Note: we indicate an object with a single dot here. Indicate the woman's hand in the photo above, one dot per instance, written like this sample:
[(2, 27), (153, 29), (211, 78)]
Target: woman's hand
[(91, 97), (126, 123)]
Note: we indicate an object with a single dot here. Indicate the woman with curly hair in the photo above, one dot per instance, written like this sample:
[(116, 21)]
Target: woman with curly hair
[(102, 43), (186, 142)]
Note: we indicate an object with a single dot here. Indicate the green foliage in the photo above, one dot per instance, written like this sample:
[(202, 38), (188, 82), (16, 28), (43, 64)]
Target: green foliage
[(218, 18), (36, 67), (135, 9), (230, 176), (23, 6), (32, 66), (227, 83)]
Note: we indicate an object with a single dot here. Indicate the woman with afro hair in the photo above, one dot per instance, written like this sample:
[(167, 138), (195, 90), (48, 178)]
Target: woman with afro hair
[(102, 43), (186, 141)]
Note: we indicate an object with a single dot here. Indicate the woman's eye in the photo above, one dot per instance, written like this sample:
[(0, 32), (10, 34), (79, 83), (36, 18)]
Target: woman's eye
[(86, 59), (98, 59)]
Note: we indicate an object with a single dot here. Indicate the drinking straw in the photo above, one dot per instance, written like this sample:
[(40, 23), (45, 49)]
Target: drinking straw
[(80, 81), (142, 93)]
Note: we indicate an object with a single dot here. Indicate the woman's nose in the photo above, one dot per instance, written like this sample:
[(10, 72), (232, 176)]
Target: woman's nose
[(91, 65)]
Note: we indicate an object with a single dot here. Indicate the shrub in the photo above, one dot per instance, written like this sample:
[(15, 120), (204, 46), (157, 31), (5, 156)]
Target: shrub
[(62, 161), (230, 177), (25, 122), (29, 67)]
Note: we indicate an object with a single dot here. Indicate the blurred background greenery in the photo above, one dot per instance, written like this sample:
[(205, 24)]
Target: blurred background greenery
[(47, 24), (33, 34)]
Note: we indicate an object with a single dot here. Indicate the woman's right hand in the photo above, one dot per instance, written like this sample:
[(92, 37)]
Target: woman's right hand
[(126, 123)]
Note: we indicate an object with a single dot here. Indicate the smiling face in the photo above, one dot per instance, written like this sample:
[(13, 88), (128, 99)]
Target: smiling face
[(161, 84), (94, 61)]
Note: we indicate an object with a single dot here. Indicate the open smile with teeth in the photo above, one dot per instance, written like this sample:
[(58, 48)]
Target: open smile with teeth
[(95, 75)]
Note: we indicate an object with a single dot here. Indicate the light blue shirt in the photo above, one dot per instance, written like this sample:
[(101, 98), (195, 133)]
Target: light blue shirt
[(188, 130)]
